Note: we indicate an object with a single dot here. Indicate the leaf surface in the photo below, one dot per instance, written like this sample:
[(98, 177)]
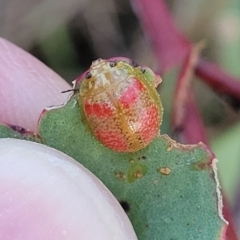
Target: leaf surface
[(167, 189)]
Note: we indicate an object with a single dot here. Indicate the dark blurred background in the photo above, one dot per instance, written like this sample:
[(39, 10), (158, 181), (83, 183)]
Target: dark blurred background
[(68, 35)]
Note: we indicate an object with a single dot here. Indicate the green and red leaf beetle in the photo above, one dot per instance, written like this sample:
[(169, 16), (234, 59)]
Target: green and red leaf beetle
[(120, 104)]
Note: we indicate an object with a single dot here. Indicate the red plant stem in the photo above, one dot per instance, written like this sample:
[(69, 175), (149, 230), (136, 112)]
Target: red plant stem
[(183, 88), (217, 79), (192, 130), (170, 46)]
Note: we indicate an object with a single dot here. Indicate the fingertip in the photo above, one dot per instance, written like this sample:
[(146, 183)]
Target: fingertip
[(27, 86), (44, 194)]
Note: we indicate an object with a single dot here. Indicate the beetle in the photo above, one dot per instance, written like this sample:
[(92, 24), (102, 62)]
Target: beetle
[(120, 104)]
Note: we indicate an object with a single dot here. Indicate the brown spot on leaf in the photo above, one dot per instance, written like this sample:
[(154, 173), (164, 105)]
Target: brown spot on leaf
[(131, 161), (170, 147), (120, 175), (164, 170), (200, 165), (136, 171), (138, 174)]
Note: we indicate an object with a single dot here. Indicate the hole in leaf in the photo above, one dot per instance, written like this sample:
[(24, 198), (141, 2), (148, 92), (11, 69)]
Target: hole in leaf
[(125, 205)]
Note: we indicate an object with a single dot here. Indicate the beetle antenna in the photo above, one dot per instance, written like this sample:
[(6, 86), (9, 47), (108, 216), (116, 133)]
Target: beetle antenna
[(70, 90)]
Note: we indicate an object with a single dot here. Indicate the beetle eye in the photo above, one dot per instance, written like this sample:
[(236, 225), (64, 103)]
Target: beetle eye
[(88, 75), (112, 64), (143, 70), (134, 64)]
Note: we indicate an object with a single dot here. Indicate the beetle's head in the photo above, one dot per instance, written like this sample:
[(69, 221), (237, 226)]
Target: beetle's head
[(103, 75)]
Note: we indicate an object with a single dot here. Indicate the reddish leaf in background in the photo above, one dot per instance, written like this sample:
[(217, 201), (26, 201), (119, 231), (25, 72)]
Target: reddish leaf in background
[(192, 129), (183, 97), (169, 45)]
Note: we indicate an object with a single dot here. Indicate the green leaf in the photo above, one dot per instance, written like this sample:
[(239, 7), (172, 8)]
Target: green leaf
[(182, 204), (167, 189), (11, 131)]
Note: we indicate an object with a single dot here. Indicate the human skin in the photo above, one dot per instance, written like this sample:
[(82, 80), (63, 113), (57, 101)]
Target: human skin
[(44, 194)]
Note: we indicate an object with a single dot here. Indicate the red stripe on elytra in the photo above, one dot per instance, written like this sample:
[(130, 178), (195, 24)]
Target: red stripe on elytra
[(113, 140), (100, 110), (131, 94), (150, 121)]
